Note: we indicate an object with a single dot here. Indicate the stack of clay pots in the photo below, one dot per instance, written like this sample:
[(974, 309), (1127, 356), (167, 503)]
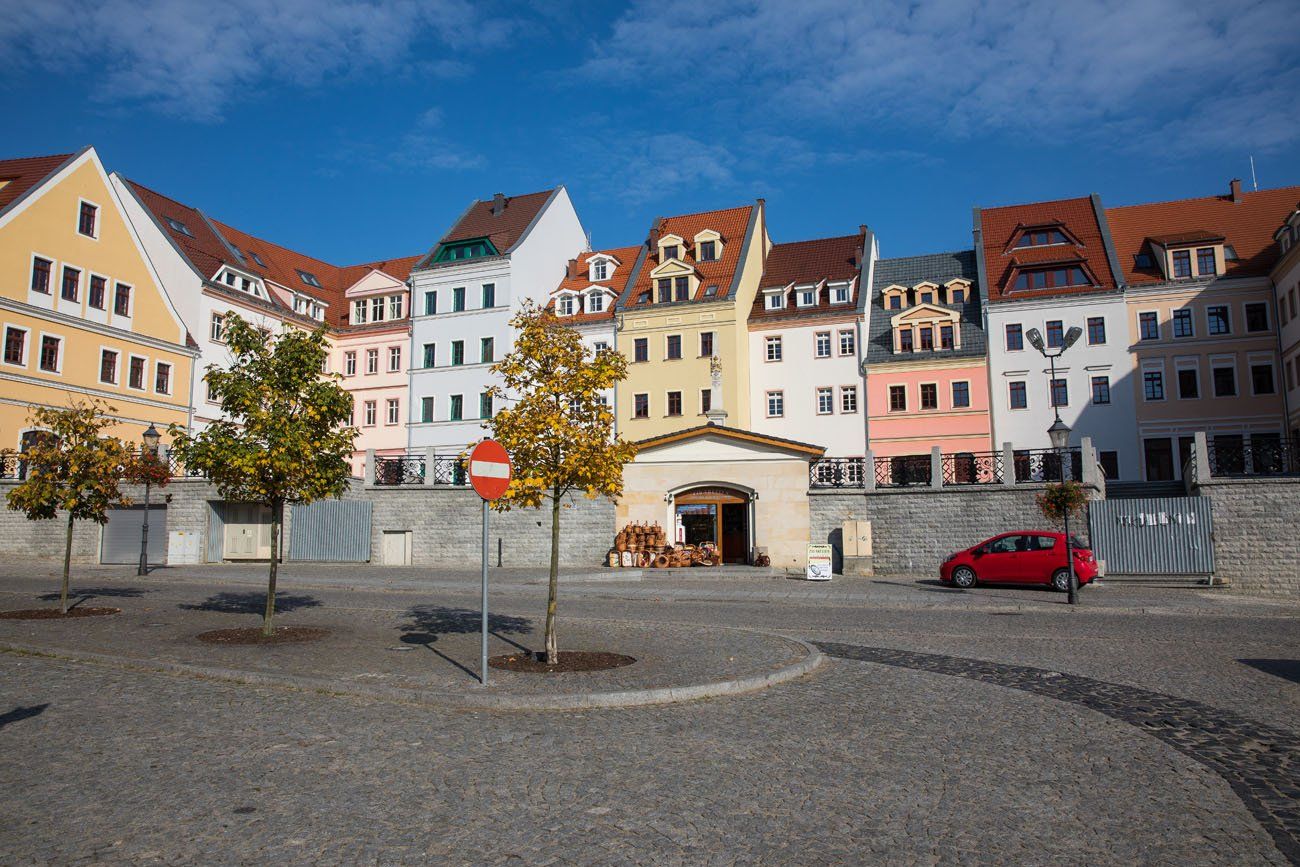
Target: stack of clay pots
[(646, 545)]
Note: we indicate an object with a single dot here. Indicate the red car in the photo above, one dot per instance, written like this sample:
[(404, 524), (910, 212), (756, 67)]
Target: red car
[(1021, 557)]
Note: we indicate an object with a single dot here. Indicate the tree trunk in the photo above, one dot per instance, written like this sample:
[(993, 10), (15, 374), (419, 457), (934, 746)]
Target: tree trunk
[(267, 628), (552, 648), (67, 566)]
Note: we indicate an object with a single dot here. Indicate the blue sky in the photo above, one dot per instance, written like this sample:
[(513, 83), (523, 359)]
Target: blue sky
[(358, 130)]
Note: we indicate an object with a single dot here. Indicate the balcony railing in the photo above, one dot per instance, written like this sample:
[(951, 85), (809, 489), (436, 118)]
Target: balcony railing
[(1046, 465), (402, 470), (958, 469), (1239, 457), (973, 468)]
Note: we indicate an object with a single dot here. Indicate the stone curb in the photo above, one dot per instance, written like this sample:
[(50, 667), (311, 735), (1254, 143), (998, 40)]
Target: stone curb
[(812, 660)]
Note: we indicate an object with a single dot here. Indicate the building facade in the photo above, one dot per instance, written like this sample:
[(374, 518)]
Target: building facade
[(926, 362), (1286, 288), (84, 312), (501, 252)]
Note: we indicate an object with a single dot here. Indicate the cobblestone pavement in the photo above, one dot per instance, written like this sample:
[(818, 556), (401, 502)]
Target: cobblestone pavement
[(883, 758)]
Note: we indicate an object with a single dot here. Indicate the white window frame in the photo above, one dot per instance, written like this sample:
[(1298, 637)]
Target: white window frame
[(99, 212), (779, 396), (805, 296), (369, 413), (1173, 322), (938, 404), (648, 408), (889, 397), (951, 397), (830, 344), (565, 306), (837, 288), (845, 391), (392, 411), (58, 367), (774, 300), (1227, 309), (1156, 314), (773, 342), (595, 302), (27, 344), (829, 393), (360, 311), (54, 272), (130, 300), (395, 306), (171, 377), (681, 350), (1028, 401), (394, 353), (1154, 367), (853, 336), (372, 355), (350, 363), (599, 266), (681, 400)]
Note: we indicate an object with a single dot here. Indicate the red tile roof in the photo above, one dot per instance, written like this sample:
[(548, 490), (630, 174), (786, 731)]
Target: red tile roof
[(1247, 225), (503, 229), (626, 257), (816, 261), (23, 174), (202, 245), (731, 224), (998, 226)]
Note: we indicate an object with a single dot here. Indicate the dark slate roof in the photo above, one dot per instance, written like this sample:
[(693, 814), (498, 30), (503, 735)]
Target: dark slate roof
[(908, 271)]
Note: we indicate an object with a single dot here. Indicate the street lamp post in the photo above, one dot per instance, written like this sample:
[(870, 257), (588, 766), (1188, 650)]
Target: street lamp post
[(151, 438), (1059, 435)]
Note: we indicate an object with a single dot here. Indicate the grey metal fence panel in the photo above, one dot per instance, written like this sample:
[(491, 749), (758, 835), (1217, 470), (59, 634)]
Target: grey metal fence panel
[(120, 542), (216, 531), (333, 531), (1153, 535)]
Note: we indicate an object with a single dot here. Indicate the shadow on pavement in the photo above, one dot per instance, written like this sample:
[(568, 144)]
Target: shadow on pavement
[(85, 594), (1287, 669), (22, 713), (250, 603), (430, 621)]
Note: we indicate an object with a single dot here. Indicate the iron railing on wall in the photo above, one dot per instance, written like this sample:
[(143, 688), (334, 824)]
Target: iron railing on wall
[(399, 470), (1030, 466), (1241, 457), (836, 473), (973, 468)]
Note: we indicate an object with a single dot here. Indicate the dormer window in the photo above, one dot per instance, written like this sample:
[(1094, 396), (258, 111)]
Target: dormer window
[(1143, 260), (708, 251), (1229, 253), (465, 250), (839, 293), (230, 278), (927, 297), (669, 252), (1051, 278), (643, 298), (600, 269), (359, 310), (308, 278), (711, 290), (257, 258), (806, 297), (775, 301), (1041, 238), (957, 295), (178, 226), (1182, 264), (1205, 264), (905, 340), (596, 302), (665, 290), (566, 305)]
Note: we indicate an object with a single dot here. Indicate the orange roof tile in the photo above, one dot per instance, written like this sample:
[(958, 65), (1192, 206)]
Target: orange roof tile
[(815, 261), (20, 175), (998, 227), (731, 224), (625, 270)]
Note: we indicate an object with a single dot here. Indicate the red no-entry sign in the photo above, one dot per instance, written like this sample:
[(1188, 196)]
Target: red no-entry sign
[(489, 469)]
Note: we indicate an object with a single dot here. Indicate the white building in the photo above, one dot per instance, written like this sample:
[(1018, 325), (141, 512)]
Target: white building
[(806, 343), (1049, 266), (464, 292)]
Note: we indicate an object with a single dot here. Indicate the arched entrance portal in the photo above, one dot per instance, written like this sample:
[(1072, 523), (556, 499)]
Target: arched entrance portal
[(715, 513)]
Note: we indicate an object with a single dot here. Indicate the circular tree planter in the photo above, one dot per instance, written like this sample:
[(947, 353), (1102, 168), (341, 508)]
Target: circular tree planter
[(570, 661), (56, 614), (253, 635)]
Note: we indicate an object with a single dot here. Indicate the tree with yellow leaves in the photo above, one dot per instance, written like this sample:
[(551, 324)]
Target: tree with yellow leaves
[(285, 437), (557, 430)]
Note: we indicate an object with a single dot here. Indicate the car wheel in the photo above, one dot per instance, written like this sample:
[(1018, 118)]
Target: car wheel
[(963, 577), (1061, 580)]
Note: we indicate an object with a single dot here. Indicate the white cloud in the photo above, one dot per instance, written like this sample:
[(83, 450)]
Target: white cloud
[(193, 58), (1195, 72)]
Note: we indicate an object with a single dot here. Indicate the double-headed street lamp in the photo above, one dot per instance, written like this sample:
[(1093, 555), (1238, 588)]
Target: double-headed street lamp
[(150, 453), (1059, 435)]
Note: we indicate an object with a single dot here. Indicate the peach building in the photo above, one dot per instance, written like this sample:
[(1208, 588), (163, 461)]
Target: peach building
[(926, 368), (1202, 324), (1286, 287)]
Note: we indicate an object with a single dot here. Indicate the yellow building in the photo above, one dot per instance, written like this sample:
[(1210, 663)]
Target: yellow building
[(83, 314), (689, 306)]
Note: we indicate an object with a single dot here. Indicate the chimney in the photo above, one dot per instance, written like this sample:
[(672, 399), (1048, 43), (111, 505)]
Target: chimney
[(655, 229), (498, 204), (572, 270), (1234, 187)]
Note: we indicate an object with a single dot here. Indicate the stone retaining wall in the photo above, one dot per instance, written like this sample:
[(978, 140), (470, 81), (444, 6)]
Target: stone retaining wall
[(1256, 533)]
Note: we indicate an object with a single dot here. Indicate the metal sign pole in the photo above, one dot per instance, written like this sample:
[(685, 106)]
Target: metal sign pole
[(483, 665)]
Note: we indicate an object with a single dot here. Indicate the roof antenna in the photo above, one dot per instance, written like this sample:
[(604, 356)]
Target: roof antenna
[(1253, 181)]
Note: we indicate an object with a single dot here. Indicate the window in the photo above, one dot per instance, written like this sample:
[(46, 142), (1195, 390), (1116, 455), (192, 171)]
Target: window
[(706, 400), (848, 343), (1153, 385), (50, 353), (71, 283), (1096, 330), (775, 301), (848, 398), (945, 337), (640, 406), (230, 278), (960, 394), (15, 346), (359, 312), (430, 354), (247, 286), (905, 340), (711, 291), (485, 405), (898, 398), (487, 349), (1017, 396), (257, 258), (708, 251), (377, 309), (1060, 390), (349, 364), (773, 348), (41, 275), (706, 344), (135, 372), (1217, 317), (1051, 278), (368, 417), (665, 290), (122, 300), (600, 347), (1041, 238), (1101, 389), (927, 297), (1205, 262), (775, 404), (641, 349), (426, 409), (896, 302), (1182, 263), (430, 303), (178, 226), (565, 306), (308, 278), (840, 294), (1015, 337), (1055, 333), (458, 299), (1183, 326), (1148, 326), (107, 366), (957, 295), (595, 302), (86, 219), (457, 407), (457, 353), (600, 270), (1225, 381), (489, 295), (929, 395), (681, 288), (669, 252), (805, 297), (1189, 383), (392, 411), (1261, 379), (372, 361), (673, 348), (822, 344), (674, 403), (394, 306), (825, 401), (927, 338), (162, 378), (1109, 464), (1257, 316), (394, 359)]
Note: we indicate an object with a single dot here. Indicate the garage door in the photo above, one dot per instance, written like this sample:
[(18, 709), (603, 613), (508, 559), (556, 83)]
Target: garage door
[(121, 539)]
